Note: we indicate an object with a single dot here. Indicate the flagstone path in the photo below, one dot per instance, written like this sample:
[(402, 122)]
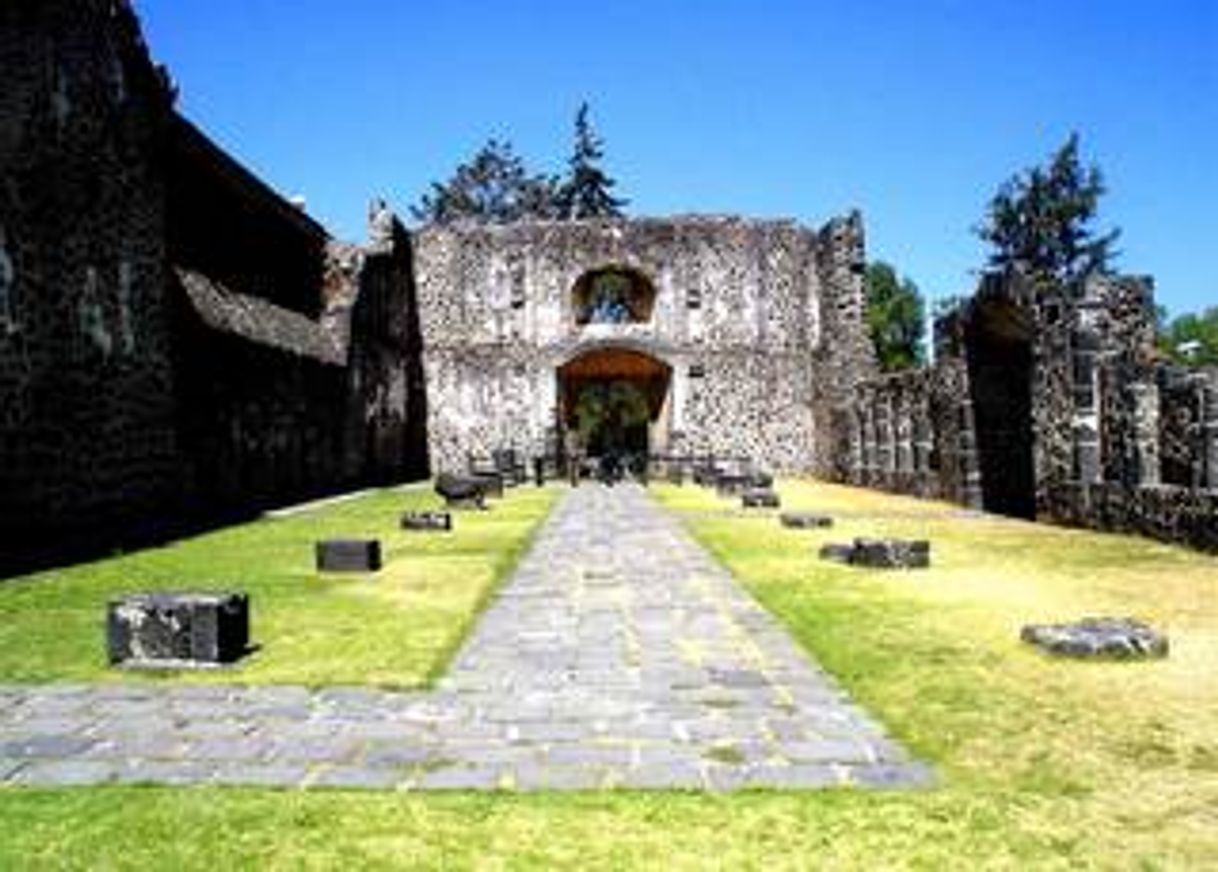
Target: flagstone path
[(619, 654)]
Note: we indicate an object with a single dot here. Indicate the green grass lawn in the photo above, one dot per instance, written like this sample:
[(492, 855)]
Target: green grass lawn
[(397, 627), (1041, 763)]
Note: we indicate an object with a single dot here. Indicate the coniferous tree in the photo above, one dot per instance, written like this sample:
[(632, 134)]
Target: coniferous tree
[(1041, 219), (587, 190)]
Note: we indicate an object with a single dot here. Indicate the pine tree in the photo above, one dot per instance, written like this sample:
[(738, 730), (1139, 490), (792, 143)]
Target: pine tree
[(586, 193), (1041, 220), (494, 187)]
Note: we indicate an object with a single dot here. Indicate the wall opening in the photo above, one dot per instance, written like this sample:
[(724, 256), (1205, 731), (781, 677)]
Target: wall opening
[(613, 295), (999, 353), (614, 400)]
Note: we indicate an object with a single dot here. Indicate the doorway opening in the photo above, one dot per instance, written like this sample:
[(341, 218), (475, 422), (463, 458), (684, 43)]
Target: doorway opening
[(999, 352), (612, 400)]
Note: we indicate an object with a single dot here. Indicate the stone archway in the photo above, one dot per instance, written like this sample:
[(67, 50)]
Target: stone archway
[(615, 399)]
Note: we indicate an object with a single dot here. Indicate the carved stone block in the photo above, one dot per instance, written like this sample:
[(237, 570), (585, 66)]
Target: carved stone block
[(161, 628)]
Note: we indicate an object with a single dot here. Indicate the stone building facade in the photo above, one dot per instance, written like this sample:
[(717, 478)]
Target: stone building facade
[(178, 344), (742, 335), (1050, 402)]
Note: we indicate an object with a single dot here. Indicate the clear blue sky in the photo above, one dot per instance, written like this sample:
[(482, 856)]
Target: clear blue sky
[(913, 112)]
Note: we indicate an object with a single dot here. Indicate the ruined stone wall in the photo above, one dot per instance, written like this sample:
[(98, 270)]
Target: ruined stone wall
[(739, 316), (387, 408), (86, 413), (1120, 441), (912, 433)]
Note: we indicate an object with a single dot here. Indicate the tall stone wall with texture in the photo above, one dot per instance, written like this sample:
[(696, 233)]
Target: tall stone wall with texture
[(86, 409), (740, 315)]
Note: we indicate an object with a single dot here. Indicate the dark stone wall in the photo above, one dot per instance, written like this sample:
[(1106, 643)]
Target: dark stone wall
[(1048, 402), (259, 417), (388, 405), (172, 350), (86, 412), (225, 222)]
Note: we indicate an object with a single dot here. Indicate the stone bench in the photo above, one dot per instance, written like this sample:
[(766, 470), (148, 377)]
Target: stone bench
[(1113, 638), (177, 630), (427, 521), (881, 553), (804, 520), (759, 498), (348, 555)]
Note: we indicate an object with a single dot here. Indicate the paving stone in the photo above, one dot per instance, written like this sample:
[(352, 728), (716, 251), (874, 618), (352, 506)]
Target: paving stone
[(9, 766), (170, 772), (66, 772), (357, 777), (459, 777), (260, 774), (43, 745)]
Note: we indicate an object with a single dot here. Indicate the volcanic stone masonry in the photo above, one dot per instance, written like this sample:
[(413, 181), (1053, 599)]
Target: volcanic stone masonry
[(744, 334)]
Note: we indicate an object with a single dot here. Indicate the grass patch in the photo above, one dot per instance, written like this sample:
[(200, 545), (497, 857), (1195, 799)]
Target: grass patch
[(1042, 763), (398, 627)]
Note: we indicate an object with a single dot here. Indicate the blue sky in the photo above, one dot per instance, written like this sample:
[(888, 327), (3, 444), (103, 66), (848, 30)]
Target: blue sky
[(913, 112)]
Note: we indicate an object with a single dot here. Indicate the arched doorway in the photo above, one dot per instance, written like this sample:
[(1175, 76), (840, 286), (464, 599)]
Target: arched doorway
[(613, 400)]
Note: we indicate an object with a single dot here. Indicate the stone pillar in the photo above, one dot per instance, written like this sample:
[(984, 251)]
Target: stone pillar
[(904, 436), (1209, 434), (1146, 431), (884, 436), (970, 471)]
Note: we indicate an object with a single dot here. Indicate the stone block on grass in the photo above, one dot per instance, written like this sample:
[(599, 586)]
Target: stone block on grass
[(1113, 638), (348, 555), (880, 553), (161, 628), (804, 520), (759, 498), (427, 521)]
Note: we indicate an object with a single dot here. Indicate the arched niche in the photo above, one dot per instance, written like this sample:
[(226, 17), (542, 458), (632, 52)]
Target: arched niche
[(613, 295)]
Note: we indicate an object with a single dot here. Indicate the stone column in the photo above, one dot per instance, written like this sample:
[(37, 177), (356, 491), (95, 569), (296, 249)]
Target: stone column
[(1146, 431), (904, 436), (970, 472)]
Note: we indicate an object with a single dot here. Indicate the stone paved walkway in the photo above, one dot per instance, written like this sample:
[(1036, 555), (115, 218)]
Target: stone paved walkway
[(619, 654)]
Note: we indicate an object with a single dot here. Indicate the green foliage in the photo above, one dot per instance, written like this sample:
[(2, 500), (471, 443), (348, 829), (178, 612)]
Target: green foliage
[(1191, 338), (895, 318), (1041, 219), (493, 187), (586, 192)]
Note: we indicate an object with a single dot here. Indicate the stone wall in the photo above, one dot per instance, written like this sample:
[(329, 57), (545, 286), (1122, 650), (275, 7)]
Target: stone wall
[(741, 314), (86, 407), (1048, 402), (178, 344)]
